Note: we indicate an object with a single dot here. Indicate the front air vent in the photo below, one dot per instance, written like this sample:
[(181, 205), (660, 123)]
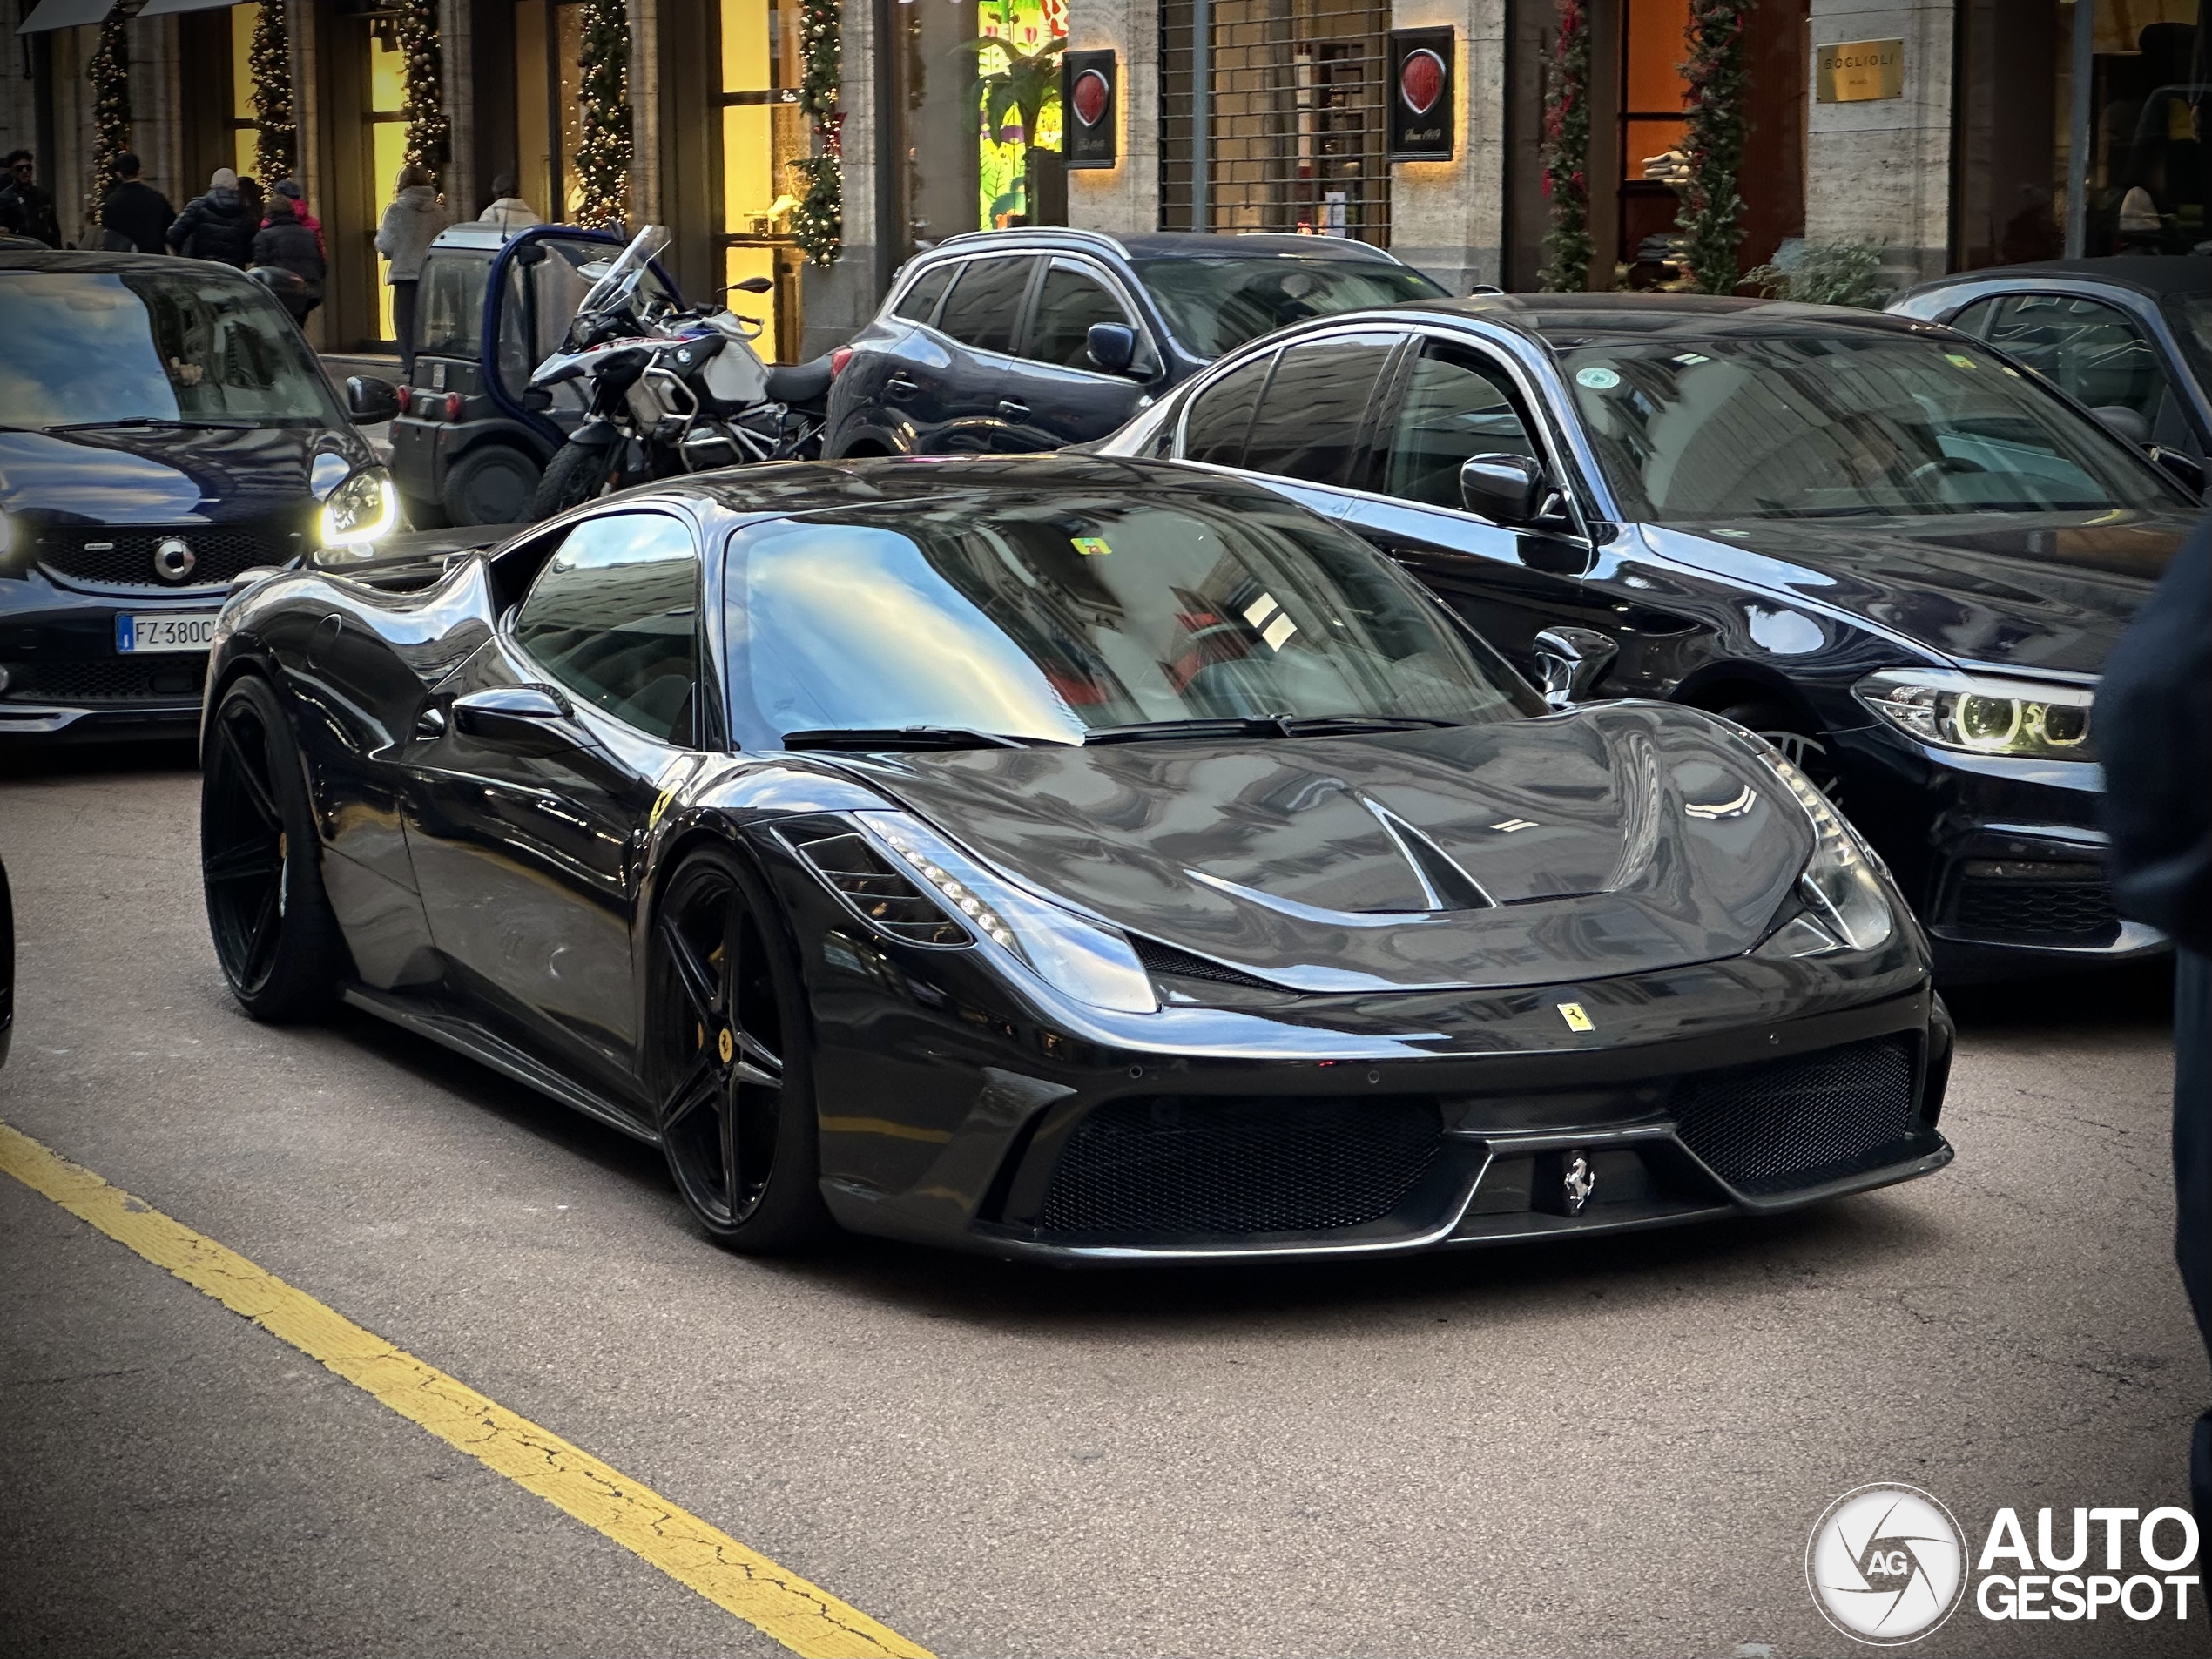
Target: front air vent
[(875, 892), (1183, 964)]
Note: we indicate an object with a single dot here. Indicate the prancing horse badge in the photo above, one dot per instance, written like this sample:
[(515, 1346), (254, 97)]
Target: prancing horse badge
[(1576, 1019)]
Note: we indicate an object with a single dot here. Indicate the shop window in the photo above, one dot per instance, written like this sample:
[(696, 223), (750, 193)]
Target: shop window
[(244, 134), (387, 146), (764, 131)]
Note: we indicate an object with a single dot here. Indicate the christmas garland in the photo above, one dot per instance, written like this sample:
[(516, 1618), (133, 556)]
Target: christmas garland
[(818, 223), (602, 153), (110, 74), (1709, 222), (429, 139), (1568, 245), (276, 139)]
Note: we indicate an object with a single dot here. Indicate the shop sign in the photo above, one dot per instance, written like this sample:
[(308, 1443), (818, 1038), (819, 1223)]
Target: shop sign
[(1423, 108), (1090, 85), (1859, 69)]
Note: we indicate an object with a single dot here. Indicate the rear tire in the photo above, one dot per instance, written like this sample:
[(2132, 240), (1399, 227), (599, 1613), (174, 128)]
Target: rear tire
[(492, 484), (577, 474), (276, 940), (1792, 733)]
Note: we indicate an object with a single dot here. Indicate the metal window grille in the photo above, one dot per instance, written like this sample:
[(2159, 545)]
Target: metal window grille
[(1271, 117)]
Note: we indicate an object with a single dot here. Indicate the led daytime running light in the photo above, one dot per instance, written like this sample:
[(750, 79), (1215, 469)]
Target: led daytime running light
[(350, 520), (1981, 716), (960, 898)]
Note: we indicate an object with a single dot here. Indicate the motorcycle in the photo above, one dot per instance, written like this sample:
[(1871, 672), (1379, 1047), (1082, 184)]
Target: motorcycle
[(672, 391)]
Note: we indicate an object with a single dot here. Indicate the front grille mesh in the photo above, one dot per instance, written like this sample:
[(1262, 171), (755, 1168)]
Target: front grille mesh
[(1182, 964), (2069, 913), (1789, 1122), (1171, 1166), (123, 557), (164, 678)]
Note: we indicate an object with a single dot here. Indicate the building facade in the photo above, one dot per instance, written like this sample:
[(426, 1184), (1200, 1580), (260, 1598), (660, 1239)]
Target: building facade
[(1950, 132)]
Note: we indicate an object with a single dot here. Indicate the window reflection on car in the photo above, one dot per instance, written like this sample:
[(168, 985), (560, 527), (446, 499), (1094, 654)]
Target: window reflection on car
[(1215, 305)]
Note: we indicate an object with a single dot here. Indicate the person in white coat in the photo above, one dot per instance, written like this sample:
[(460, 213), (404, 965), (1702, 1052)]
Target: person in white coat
[(510, 211), (410, 221)]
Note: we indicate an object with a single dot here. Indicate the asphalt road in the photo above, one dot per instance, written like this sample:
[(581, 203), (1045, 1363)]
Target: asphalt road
[(1603, 1449)]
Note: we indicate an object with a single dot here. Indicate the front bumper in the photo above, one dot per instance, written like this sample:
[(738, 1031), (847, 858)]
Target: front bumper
[(66, 681)]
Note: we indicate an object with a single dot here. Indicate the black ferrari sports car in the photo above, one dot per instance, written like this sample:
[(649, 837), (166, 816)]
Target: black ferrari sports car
[(1073, 859)]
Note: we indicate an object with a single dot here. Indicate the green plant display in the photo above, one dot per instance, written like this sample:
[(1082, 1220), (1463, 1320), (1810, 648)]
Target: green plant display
[(430, 138), (1568, 245), (1017, 76), (602, 152), (1826, 274), (1709, 223), (276, 136)]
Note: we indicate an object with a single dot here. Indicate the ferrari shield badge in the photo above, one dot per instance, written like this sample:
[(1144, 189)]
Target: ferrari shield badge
[(1576, 1018)]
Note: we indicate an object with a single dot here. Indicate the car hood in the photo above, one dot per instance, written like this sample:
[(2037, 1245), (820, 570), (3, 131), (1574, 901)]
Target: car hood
[(1615, 839), (2025, 591), (152, 476)]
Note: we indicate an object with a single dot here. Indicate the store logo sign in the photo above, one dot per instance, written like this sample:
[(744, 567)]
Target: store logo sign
[(1420, 80), (1421, 117), (1090, 97)]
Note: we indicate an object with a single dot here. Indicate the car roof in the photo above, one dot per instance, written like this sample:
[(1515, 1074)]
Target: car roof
[(2154, 274), (1177, 245), (92, 262), (1599, 319)]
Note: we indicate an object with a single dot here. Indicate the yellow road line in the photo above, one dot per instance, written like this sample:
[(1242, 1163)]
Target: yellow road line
[(804, 1618)]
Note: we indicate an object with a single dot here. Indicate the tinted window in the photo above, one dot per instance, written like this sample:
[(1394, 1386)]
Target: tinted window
[(450, 306), (1223, 413), (986, 303), (1216, 305), (922, 299), (1050, 613), (614, 618), (2083, 347), (1455, 406), (1066, 306), (1312, 413)]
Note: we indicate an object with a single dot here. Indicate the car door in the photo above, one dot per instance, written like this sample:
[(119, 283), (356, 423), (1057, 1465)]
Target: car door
[(900, 345), (528, 838), (2094, 351), (1055, 394), (1308, 429), (953, 405), (1453, 400)]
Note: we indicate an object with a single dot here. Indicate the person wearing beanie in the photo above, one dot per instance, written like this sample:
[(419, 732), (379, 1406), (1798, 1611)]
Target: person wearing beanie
[(286, 244), (216, 225), (290, 188), (135, 217)]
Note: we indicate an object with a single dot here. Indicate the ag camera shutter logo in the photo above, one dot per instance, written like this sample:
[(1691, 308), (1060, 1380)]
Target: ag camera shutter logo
[(1886, 1564)]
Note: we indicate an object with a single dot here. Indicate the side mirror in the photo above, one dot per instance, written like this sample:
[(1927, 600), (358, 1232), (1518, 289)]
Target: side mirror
[(2124, 423), (1111, 346), (530, 720), (754, 285), (2182, 466), (1506, 489), (1569, 661), (369, 400)]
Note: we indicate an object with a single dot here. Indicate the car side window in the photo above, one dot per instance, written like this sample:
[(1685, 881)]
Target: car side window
[(1221, 415), (1068, 303), (920, 302), (613, 619), (2086, 347), (986, 303), (1311, 414), (1455, 406)]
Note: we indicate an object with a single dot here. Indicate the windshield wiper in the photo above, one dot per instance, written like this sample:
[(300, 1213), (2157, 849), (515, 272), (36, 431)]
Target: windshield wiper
[(902, 736), (1265, 725), (162, 422)]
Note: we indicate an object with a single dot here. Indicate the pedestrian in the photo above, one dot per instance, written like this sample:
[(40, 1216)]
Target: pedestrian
[(135, 216), (404, 237), (24, 209), (283, 243), (252, 199), (215, 225), (2154, 725), (508, 211), (290, 188)]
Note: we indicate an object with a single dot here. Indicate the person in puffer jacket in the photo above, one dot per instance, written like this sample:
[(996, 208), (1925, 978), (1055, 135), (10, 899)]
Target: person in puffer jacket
[(404, 237), (216, 225), (287, 245)]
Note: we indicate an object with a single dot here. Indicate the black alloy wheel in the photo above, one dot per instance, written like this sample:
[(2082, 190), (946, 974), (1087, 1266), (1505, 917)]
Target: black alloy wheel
[(729, 1059), (275, 938), (1786, 732)]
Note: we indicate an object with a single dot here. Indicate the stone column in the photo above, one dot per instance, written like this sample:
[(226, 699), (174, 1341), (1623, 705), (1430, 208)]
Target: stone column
[(1448, 218), (1124, 199), (1880, 171)]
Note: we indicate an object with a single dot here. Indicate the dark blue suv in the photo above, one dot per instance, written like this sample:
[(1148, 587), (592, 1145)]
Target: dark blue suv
[(1002, 341)]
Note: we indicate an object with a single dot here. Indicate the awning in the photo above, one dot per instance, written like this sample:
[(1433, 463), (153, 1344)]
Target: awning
[(162, 8), (65, 14)]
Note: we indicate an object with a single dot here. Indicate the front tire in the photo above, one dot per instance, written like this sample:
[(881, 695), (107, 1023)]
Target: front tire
[(276, 940), (1808, 750), (729, 1053), (577, 473)]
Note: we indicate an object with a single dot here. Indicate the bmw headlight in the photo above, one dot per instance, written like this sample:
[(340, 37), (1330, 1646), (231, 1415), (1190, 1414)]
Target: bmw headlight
[(1978, 715), (964, 903), (361, 512), (1845, 907)]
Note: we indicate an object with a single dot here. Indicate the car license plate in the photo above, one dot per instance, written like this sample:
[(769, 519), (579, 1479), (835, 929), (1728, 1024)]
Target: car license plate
[(168, 631)]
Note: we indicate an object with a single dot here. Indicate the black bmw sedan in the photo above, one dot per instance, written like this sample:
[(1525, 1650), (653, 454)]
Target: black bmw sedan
[(1081, 860), (1877, 542), (163, 428)]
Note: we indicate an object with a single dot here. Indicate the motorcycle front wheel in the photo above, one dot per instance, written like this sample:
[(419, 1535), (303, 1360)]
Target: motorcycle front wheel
[(577, 473)]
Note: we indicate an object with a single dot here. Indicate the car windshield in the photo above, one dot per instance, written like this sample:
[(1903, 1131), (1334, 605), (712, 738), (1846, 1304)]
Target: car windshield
[(186, 342), (1847, 423), (1049, 615), (2191, 315), (1216, 305), (450, 306)]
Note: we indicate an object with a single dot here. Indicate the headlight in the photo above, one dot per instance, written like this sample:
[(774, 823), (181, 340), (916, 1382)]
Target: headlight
[(361, 512), (1982, 716), (906, 881), (1841, 889)]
